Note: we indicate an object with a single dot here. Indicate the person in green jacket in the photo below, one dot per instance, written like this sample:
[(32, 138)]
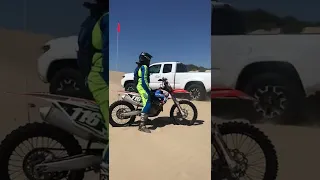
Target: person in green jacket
[(142, 80), (98, 77)]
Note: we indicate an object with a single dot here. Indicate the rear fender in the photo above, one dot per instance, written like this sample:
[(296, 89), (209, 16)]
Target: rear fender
[(128, 92)]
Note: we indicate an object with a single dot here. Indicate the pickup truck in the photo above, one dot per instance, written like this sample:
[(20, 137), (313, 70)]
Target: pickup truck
[(58, 66), (257, 56), (197, 83)]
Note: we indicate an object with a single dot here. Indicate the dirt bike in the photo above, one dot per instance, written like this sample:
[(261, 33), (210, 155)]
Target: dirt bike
[(130, 105), (49, 150), (232, 162)]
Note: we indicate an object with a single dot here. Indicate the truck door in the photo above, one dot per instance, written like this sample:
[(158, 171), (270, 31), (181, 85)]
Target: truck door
[(155, 75), (228, 47), (169, 73)]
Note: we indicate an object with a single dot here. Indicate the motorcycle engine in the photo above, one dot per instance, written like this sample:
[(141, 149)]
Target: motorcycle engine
[(156, 108)]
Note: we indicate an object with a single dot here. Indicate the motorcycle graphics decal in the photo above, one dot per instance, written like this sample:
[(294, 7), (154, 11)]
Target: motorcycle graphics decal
[(86, 116), (90, 118), (135, 98)]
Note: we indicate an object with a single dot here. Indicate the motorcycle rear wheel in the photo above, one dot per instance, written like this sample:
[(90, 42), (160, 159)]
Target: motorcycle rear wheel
[(270, 155), (28, 133), (129, 120)]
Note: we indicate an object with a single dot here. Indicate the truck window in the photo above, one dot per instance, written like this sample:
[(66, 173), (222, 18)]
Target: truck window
[(155, 68), (181, 68), (265, 17), (167, 68), (225, 20)]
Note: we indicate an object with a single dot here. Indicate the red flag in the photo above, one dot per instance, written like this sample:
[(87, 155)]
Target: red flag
[(118, 27)]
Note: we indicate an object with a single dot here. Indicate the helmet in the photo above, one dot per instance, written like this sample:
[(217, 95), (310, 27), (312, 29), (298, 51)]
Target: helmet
[(104, 4), (100, 6), (145, 58)]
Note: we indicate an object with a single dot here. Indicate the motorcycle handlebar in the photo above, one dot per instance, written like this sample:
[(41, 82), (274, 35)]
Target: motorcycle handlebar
[(165, 84)]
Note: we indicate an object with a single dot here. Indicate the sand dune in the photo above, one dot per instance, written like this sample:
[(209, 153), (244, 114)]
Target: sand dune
[(18, 73), (114, 84)]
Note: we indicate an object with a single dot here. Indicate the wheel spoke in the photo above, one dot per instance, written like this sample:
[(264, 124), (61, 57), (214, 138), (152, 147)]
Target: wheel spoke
[(255, 166), (116, 114), (29, 151)]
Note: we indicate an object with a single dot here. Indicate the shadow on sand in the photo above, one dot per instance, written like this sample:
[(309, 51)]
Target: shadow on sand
[(164, 121)]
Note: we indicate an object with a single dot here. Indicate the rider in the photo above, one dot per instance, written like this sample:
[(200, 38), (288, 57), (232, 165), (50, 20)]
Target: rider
[(98, 77), (142, 80)]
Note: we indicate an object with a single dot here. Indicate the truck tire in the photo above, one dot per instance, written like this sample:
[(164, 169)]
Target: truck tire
[(280, 98), (69, 82), (198, 92), (130, 86)]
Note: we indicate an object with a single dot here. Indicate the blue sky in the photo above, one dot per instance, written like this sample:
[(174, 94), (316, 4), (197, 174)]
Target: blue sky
[(170, 30)]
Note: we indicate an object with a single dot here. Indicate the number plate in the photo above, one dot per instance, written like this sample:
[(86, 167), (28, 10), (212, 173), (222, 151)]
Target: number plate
[(136, 98)]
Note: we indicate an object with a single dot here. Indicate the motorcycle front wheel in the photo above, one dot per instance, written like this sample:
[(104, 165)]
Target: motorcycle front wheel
[(237, 147), (32, 144), (116, 119), (190, 113)]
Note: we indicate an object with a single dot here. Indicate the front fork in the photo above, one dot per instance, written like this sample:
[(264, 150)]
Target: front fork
[(178, 105), (222, 149)]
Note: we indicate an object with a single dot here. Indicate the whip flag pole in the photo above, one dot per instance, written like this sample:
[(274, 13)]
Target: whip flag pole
[(118, 32)]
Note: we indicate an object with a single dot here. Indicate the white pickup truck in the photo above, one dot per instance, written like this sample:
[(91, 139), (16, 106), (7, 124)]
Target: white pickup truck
[(198, 83), (58, 66), (260, 58)]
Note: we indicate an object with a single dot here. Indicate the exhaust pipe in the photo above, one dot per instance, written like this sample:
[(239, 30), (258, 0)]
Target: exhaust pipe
[(76, 162)]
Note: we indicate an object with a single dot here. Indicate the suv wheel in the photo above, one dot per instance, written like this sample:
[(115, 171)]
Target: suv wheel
[(197, 92), (278, 99), (130, 87), (69, 82)]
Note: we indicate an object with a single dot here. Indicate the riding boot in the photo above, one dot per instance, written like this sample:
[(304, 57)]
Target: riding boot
[(104, 171), (142, 125)]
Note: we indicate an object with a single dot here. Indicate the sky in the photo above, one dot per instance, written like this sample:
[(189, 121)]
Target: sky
[(170, 30)]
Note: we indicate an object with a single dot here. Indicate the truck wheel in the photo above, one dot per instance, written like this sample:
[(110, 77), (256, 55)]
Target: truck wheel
[(130, 86), (280, 99), (69, 82), (197, 91)]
